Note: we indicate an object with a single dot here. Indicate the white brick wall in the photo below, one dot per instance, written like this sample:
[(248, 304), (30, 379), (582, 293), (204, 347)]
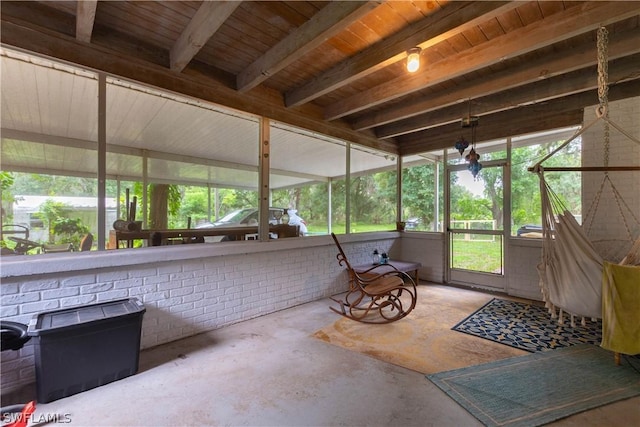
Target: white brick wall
[(522, 274), (608, 229), (425, 248), (182, 297)]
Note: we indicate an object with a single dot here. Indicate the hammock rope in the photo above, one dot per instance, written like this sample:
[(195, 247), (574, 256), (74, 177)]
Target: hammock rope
[(603, 87)]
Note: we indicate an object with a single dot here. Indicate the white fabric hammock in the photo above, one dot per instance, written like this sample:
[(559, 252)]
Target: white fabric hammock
[(571, 269)]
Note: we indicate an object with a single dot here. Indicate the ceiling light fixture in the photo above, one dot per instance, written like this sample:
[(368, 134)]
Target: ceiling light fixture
[(413, 59)]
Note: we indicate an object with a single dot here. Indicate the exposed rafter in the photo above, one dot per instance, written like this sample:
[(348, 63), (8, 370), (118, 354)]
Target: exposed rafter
[(452, 19), (582, 56), (556, 113), (330, 21), (558, 27), (552, 88), (207, 20), (85, 17)]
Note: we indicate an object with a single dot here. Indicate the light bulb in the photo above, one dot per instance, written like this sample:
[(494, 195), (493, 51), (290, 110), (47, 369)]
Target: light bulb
[(413, 59)]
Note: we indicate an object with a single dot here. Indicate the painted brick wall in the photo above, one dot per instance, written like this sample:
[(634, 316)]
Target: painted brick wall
[(608, 229), (522, 274), (425, 248), (182, 298)]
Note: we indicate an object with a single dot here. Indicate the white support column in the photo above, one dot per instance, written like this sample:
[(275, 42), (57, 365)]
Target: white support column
[(506, 215), (436, 199), (209, 202), (447, 216), (347, 190), (399, 189), (216, 204), (102, 160), (118, 190), (145, 184), (329, 206)]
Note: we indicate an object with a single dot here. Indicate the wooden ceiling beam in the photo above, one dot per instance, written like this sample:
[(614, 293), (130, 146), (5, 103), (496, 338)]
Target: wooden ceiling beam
[(85, 17), (579, 19), (545, 120), (204, 24), (451, 19), (330, 21), (620, 45), (545, 115), (555, 87)]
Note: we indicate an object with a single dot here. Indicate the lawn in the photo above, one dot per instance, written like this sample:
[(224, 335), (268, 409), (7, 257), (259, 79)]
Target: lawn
[(477, 255)]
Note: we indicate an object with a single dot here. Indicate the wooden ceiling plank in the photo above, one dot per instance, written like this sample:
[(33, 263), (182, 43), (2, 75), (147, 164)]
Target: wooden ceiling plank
[(137, 21), (327, 23), (207, 20), (475, 36), (544, 121), (85, 17), (39, 14), (510, 21), (445, 22), (554, 87), (579, 19), (620, 45), (529, 13), (550, 7), (517, 121), (492, 29)]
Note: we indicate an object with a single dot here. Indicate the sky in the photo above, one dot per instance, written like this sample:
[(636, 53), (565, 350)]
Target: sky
[(476, 186)]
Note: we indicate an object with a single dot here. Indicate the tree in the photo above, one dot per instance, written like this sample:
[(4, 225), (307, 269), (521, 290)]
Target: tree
[(493, 189), (467, 206), (194, 205), (386, 190), (62, 228), (418, 193), (165, 200), (6, 183)]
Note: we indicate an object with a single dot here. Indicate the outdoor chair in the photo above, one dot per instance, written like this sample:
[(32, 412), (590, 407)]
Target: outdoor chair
[(375, 297), (86, 242)]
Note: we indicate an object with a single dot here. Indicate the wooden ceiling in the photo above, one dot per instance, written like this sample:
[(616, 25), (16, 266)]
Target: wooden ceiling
[(338, 67)]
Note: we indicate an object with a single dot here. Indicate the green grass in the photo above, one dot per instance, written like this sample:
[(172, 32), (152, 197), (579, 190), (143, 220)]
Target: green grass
[(477, 255)]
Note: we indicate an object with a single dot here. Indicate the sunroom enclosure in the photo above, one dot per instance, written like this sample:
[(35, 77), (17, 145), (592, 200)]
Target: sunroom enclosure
[(59, 120), (153, 137), (196, 288)]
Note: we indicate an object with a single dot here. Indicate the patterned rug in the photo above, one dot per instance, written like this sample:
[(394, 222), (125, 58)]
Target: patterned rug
[(542, 387), (526, 327)]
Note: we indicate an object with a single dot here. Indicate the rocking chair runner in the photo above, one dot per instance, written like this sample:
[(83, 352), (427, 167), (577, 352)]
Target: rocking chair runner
[(375, 297)]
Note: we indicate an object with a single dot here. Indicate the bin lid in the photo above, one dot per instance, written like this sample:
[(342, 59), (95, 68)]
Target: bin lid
[(56, 320)]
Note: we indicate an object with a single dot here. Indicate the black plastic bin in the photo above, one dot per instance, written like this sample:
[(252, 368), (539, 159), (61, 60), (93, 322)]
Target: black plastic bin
[(80, 348)]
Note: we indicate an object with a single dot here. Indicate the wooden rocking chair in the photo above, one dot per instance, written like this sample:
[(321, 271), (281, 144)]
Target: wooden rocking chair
[(375, 297)]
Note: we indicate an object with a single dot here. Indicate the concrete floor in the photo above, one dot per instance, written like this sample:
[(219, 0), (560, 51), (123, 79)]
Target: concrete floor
[(270, 372)]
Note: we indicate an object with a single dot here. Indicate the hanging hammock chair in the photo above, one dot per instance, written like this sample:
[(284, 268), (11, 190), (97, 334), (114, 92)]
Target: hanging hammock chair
[(571, 268)]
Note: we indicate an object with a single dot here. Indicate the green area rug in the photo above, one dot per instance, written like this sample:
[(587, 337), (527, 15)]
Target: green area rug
[(542, 387), (527, 327)]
